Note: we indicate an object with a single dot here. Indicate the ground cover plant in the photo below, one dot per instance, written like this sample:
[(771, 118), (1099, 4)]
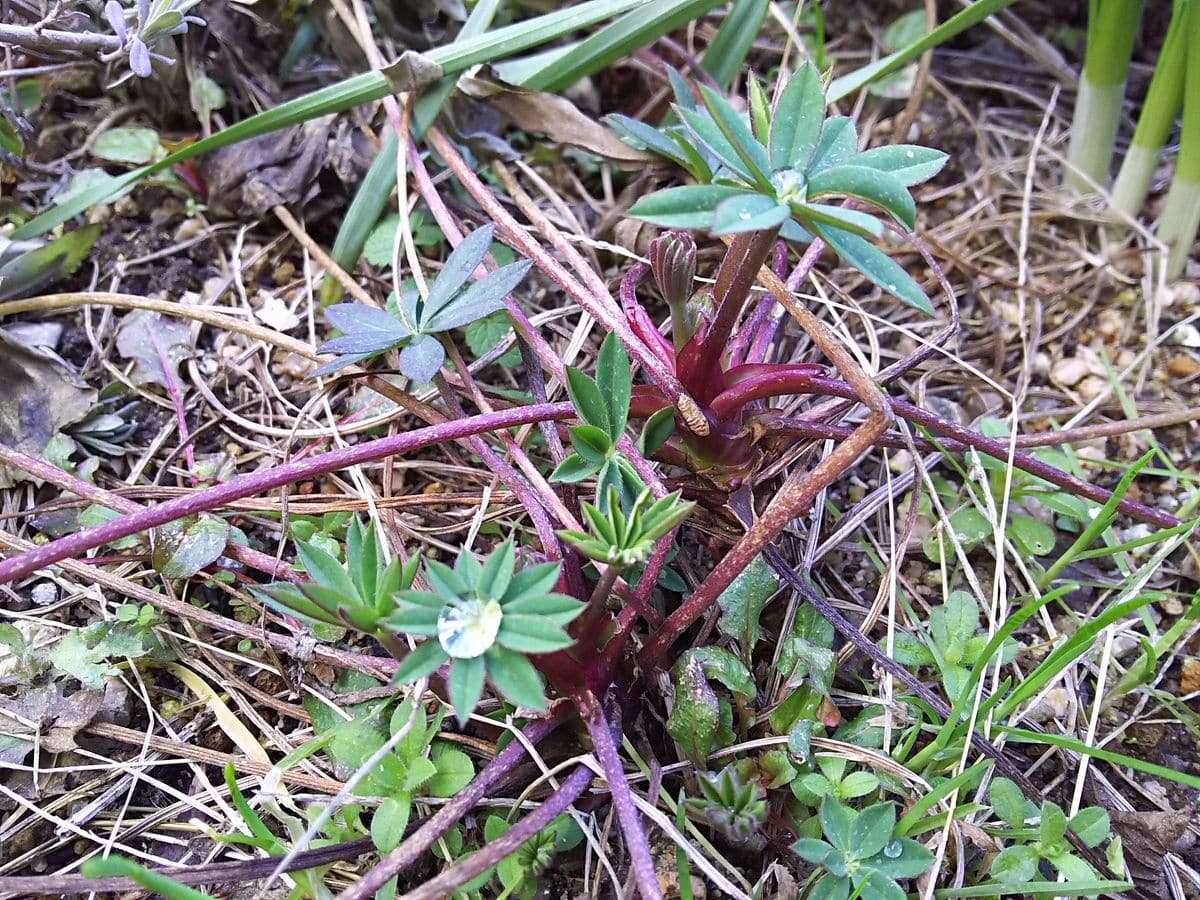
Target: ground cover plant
[(623, 449)]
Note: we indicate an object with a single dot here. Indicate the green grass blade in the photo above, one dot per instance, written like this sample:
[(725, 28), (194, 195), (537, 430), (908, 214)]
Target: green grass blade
[(1040, 889), (345, 94), (945, 789), (956, 24), (120, 867), (631, 32), (1117, 759), (734, 39)]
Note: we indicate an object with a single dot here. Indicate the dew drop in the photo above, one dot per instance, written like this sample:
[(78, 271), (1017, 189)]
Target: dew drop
[(467, 629), (743, 216), (909, 154), (893, 850)]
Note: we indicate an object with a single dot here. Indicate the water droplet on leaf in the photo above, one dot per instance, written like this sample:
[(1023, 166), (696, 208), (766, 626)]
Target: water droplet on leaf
[(468, 628), (893, 850)]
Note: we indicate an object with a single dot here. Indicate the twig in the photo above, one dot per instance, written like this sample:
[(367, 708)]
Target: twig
[(50, 41)]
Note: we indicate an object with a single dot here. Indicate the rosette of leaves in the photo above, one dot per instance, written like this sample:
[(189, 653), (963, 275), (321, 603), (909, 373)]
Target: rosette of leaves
[(861, 854), (733, 801), (621, 538), (411, 322), (359, 594), (783, 167), (485, 619)]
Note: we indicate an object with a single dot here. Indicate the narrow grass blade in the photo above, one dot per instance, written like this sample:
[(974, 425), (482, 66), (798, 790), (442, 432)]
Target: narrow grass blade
[(1040, 889), (956, 24), (735, 37)]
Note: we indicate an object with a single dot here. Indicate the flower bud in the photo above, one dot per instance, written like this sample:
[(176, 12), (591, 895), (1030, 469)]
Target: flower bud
[(673, 263)]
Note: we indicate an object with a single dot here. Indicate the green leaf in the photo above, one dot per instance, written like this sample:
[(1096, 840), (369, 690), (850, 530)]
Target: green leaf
[(128, 145), (1016, 864), (748, 212), (390, 821), (588, 400), (907, 162), (734, 40), (837, 821), (953, 624), (872, 829), (185, 552), (1092, 825), (796, 125), (421, 662), (10, 138), (380, 245), (691, 206), (120, 867), (726, 668), (454, 770), (657, 431), (326, 570), (696, 714), (873, 185), (837, 144), (742, 603), (481, 298), (365, 329), (516, 678), (614, 380), (531, 634), (418, 771), (812, 850), (592, 443), (466, 686), (422, 359), (497, 571), (1032, 536), (574, 469), (879, 886), (854, 221), (876, 265), (483, 335), (1054, 823), (739, 135), (30, 272), (557, 608), (459, 266), (909, 650)]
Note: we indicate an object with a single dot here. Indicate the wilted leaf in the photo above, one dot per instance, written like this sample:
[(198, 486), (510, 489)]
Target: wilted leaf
[(156, 343), (181, 552), (556, 117), (696, 715), (40, 395)]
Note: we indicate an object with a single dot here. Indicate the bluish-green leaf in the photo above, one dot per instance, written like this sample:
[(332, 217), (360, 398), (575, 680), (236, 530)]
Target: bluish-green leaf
[(466, 686), (497, 571), (837, 144), (690, 206), (907, 162), (422, 358), (873, 185), (481, 298), (516, 678), (574, 469), (877, 266), (796, 125), (421, 662), (365, 329), (614, 380), (739, 135), (748, 212)]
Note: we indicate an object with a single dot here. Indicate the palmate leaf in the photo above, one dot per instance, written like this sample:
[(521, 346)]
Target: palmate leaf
[(497, 572), (459, 266), (557, 608), (365, 329)]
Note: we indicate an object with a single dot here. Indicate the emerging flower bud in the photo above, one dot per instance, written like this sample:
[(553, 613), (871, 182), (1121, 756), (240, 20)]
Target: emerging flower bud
[(673, 262)]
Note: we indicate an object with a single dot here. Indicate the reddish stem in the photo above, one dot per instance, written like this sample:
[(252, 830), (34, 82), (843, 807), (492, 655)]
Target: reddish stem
[(260, 482), (605, 746), (756, 381), (504, 846), (440, 822)]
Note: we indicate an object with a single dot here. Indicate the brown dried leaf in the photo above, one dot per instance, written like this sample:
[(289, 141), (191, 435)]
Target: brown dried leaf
[(156, 343), (557, 118), (1149, 836)]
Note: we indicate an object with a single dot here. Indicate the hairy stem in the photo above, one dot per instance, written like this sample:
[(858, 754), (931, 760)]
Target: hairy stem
[(260, 482), (415, 845), (504, 846), (605, 747)]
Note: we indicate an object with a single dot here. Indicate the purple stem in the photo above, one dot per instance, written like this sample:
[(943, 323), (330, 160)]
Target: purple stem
[(641, 859), (766, 333), (751, 327), (504, 846), (412, 848), (757, 381), (1000, 450), (172, 382), (640, 320), (259, 482)]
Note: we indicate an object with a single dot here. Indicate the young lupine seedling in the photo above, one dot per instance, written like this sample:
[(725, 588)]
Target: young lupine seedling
[(776, 173), (484, 618), (1019, 863), (621, 538), (733, 801), (412, 322), (861, 854), (781, 169), (141, 26), (360, 594)]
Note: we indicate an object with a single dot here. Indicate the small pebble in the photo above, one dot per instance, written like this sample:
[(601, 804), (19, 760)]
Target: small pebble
[(44, 593), (1070, 371), (1092, 387), (188, 229)]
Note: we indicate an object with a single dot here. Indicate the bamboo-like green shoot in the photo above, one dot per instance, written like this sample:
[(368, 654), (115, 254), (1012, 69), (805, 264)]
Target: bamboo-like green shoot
[(1163, 102), (1112, 28), (1180, 220)]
